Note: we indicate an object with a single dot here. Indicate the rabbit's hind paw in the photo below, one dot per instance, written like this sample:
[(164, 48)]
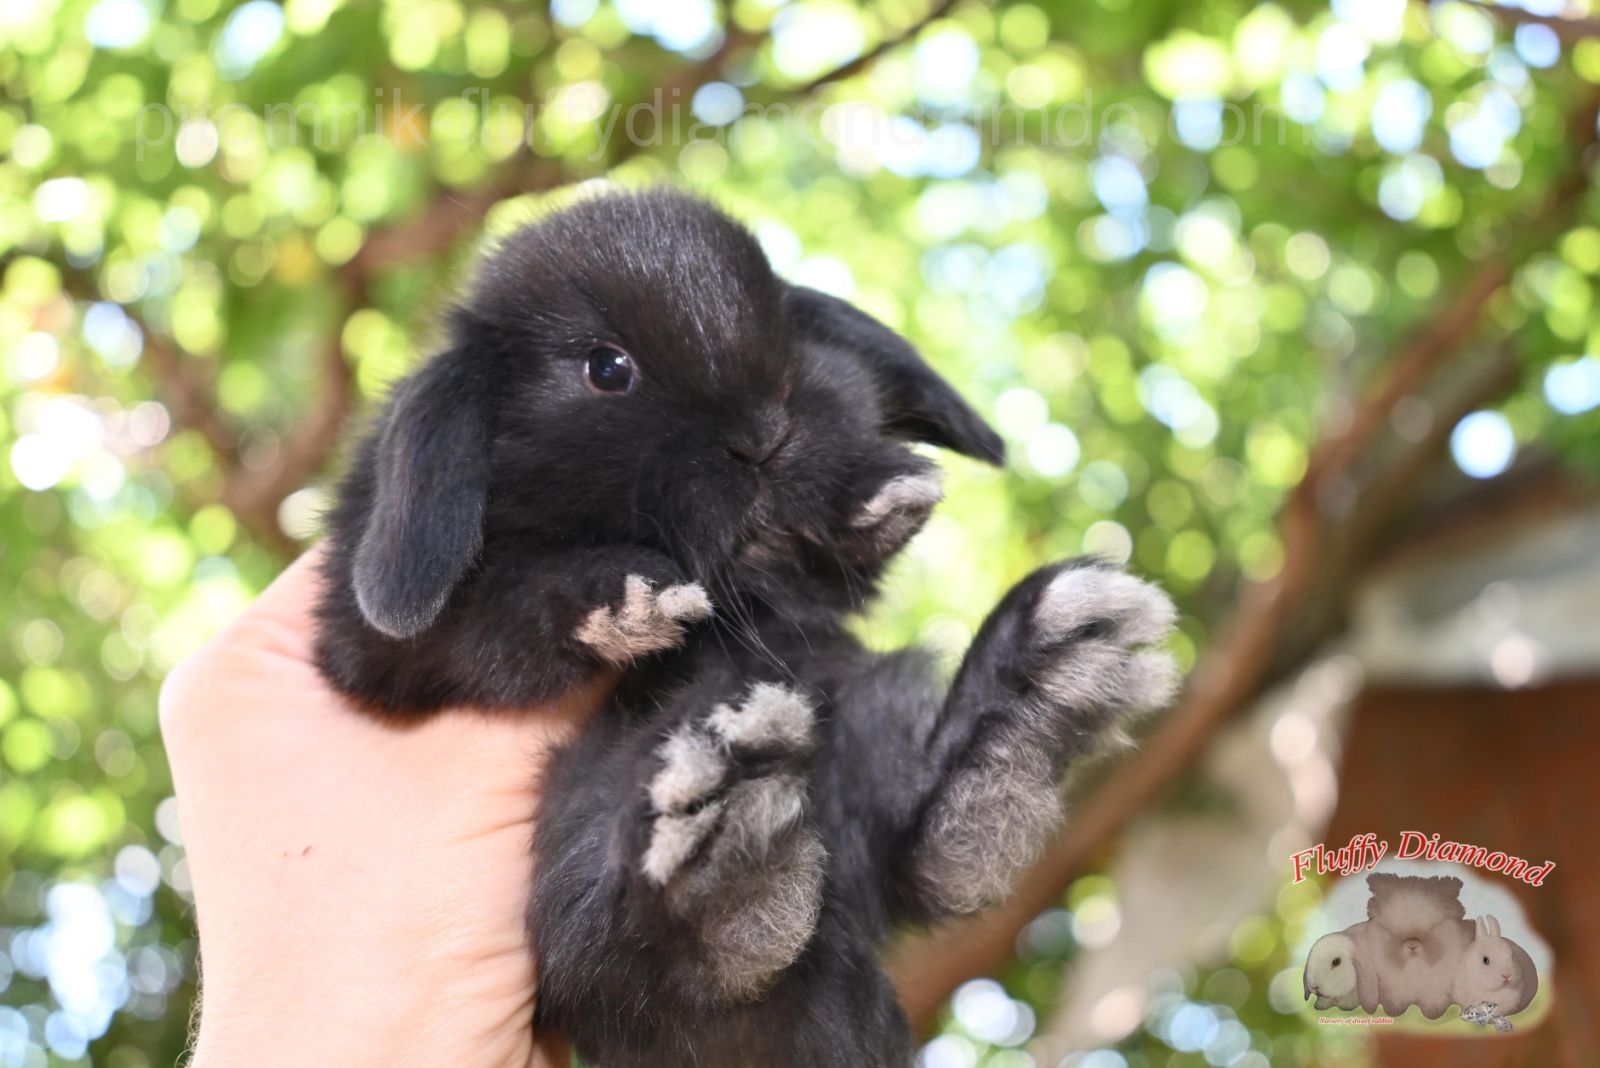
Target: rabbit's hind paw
[(731, 847)]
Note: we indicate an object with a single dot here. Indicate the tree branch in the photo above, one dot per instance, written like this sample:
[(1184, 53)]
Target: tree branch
[(449, 216), (256, 495), (190, 399), (873, 54)]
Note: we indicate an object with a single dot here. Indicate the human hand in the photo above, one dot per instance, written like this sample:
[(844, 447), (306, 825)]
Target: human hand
[(360, 887)]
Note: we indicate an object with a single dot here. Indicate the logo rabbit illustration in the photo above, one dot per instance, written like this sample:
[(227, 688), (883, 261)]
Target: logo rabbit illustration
[(1417, 948), (1494, 971)]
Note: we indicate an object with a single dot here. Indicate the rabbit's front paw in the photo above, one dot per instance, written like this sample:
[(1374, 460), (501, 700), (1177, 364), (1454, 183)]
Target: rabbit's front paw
[(650, 617), (730, 846), (895, 512), (1091, 626)]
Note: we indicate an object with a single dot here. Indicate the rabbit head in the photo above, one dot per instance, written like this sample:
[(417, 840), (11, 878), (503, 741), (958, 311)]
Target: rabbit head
[(1409, 907), (1489, 970), (630, 371), (1335, 971)]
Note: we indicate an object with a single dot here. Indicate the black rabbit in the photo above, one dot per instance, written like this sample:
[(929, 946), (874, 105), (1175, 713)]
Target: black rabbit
[(642, 450)]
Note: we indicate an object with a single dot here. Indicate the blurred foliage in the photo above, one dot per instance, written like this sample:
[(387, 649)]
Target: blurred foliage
[(1164, 244)]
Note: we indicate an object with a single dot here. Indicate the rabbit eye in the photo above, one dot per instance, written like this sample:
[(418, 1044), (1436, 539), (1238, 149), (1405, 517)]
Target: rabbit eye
[(610, 370), (1336, 961), (1486, 960)]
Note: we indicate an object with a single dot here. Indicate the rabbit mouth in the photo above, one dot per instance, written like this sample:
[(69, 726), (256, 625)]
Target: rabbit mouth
[(761, 546), (759, 538)]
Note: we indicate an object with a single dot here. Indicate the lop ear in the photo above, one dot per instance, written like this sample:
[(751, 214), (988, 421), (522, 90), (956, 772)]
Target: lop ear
[(1527, 977), (918, 403), (1366, 983), (425, 526)]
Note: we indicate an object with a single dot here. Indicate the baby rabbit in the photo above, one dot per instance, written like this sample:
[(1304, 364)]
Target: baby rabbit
[(643, 453), (1494, 971), (1420, 935), (1339, 974)]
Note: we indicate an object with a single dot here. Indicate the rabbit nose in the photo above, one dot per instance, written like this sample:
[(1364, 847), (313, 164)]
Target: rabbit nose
[(759, 440)]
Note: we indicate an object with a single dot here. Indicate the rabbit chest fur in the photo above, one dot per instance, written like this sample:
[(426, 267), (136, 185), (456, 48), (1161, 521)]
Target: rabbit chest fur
[(643, 453)]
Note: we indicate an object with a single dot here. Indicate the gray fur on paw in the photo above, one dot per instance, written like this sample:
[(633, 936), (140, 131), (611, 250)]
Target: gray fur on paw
[(1082, 654), (770, 715), (731, 845), (1089, 622), (897, 511), (988, 827), (1140, 613), (648, 620), (701, 772), (685, 798), (692, 768), (758, 925)]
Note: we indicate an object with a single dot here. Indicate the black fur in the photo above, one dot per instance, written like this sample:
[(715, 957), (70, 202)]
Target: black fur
[(500, 503)]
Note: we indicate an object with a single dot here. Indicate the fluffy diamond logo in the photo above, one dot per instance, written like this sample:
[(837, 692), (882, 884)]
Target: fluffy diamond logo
[(1427, 941)]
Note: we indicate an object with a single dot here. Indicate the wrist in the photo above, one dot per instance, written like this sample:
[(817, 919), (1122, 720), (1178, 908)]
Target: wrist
[(336, 1012), (267, 1034), (271, 1037)]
